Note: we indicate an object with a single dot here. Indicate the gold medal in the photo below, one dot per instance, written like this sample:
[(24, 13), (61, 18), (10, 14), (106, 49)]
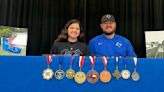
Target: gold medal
[(48, 74), (70, 73), (116, 73), (125, 74), (80, 77), (105, 76), (135, 75)]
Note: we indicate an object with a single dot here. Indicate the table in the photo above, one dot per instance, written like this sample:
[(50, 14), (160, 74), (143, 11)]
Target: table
[(24, 74)]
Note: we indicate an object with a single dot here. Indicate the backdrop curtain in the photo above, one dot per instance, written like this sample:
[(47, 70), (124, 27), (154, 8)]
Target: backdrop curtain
[(45, 19)]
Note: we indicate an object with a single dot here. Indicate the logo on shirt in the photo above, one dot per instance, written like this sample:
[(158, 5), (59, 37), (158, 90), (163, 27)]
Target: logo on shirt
[(100, 43), (118, 44), (71, 52)]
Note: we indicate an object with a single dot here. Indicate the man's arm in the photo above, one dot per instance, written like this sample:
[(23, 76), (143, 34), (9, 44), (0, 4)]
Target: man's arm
[(130, 50), (91, 47)]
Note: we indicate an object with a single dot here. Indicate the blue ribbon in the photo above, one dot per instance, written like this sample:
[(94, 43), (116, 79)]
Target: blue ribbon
[(61, 58)]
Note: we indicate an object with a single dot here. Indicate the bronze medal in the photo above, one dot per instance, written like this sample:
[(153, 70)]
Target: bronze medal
[(105, 76)]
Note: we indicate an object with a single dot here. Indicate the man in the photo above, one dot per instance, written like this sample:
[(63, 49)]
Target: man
[(109, 43)]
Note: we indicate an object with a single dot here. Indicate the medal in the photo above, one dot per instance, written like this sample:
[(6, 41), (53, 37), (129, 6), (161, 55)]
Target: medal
[(48, 73), (135, 75), (116, 73), (70, 73), (105, 76), (59, 74), (125, 73), (80, 76), (92, 75)]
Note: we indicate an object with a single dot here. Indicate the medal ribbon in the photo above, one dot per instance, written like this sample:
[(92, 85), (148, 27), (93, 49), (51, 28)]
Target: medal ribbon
[(72, 59), (116, 62), (135, 61), (61, 58), (49, 59), (81, 61), (105, 61), (92, 60), (124, 60)]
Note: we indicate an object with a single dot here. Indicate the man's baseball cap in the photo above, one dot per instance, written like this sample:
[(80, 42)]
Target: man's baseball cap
[(108, 17)]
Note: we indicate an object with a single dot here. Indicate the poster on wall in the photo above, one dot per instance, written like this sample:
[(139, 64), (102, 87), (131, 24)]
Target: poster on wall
[(13, 41), (154, 44)]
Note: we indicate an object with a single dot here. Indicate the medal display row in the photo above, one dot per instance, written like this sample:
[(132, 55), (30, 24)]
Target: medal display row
[(92, 75)]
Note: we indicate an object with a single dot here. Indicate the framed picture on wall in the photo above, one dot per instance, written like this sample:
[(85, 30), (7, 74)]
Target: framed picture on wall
[(154, 44), (13, 41)]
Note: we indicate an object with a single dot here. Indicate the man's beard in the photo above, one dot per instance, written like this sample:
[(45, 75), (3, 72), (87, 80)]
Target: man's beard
[(109, 33)]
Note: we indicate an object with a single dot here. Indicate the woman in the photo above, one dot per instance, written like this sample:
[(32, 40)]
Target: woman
[(70, 41)]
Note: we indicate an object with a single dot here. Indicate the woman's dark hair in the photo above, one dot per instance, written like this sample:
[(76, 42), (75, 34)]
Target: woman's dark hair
[(63, 36)]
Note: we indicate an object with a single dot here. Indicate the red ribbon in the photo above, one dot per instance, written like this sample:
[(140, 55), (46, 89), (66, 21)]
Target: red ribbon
[(81, 61), (49, 59), (105, 61), (92, 59)]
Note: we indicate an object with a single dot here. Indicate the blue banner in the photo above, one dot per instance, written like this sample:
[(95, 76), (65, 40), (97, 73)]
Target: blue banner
[(6, 46)]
